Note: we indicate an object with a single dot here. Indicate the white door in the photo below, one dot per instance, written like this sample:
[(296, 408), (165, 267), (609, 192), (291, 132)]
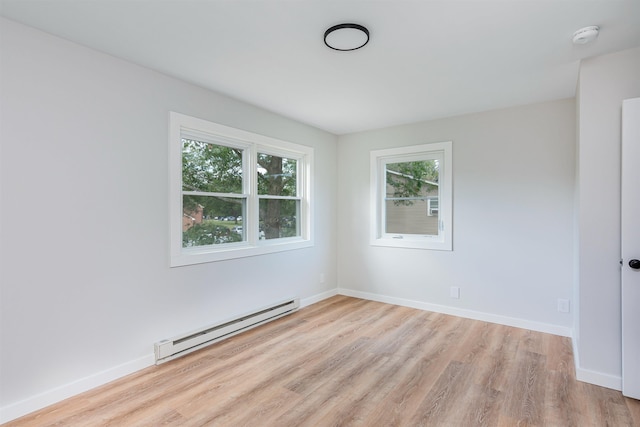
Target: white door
[(631, 248)]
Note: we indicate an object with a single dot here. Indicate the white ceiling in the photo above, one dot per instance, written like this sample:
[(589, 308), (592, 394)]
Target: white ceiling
[(425, 59)]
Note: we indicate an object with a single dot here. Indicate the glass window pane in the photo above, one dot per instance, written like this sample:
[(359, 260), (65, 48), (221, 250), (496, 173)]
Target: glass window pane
[(212, 220), (410, 217), (279, 218), (277, 176), (211, 168), (412, 179), (411, 205)]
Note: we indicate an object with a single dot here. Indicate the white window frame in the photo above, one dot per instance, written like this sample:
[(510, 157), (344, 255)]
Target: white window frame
[(181, 125), (379, 159)]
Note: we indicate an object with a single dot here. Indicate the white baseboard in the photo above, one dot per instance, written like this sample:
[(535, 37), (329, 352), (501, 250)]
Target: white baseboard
[(598, 378), (304, 302), (460, 312), (594, 377), (44, 399)]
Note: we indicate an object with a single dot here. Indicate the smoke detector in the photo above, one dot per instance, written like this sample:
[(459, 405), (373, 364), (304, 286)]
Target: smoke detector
[(586, 35)]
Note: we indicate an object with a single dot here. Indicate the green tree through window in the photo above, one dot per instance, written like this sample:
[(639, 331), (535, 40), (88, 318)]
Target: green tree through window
[(277, 176), (409, 180), (213, 201)]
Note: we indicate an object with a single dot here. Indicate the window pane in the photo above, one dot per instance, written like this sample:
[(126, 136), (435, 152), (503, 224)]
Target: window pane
[(211, 168), (277, 176), (412, 197), (412, 179), (212, 220), (410, 217), (279, 218)]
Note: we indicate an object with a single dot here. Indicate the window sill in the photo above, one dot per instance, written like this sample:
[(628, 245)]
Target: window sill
[(200, 255), (426, 242)]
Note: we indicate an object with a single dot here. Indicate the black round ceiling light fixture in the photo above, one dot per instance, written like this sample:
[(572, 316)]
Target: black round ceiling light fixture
[(346, 37)]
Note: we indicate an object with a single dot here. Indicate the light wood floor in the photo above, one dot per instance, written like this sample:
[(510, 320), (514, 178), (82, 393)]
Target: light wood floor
[(351, 362)]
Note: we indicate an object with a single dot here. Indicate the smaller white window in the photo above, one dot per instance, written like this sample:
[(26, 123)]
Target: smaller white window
[(411, 197)]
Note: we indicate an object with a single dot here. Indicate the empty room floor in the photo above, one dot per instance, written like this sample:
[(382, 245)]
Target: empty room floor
[(351, 362)]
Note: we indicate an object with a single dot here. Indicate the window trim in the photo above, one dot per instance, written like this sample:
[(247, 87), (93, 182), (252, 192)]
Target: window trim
[(378, 160), (252, 143)]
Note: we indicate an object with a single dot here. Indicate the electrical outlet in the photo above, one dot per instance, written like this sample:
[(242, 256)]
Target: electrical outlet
[(563, 305), (454, 292), (321, 277)]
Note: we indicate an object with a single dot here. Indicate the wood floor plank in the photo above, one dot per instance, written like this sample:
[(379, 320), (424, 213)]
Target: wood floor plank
[(482, 406), (560, 396), (495, 369), (351, 362), (559, 352), (425, 369), (529, 386), (634, 410), (441, 404), (338, 400)]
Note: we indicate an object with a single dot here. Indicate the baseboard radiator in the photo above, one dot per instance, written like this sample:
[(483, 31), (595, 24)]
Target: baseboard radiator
[(173, 348)]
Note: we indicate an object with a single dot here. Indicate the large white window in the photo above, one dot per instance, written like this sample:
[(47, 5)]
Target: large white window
[(411, 197), (235, 193)]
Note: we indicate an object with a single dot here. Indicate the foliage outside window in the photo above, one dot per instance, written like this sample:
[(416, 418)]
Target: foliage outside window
[(279, 204), (213, 200), (411, 197), (235, 193)]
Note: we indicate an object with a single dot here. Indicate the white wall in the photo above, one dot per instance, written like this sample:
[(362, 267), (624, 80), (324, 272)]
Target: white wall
[(513, 173), (86, 287), (604, 82)]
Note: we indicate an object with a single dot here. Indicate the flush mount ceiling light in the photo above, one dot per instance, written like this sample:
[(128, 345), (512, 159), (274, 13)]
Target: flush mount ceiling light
[(586, 35), (346, 37)]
